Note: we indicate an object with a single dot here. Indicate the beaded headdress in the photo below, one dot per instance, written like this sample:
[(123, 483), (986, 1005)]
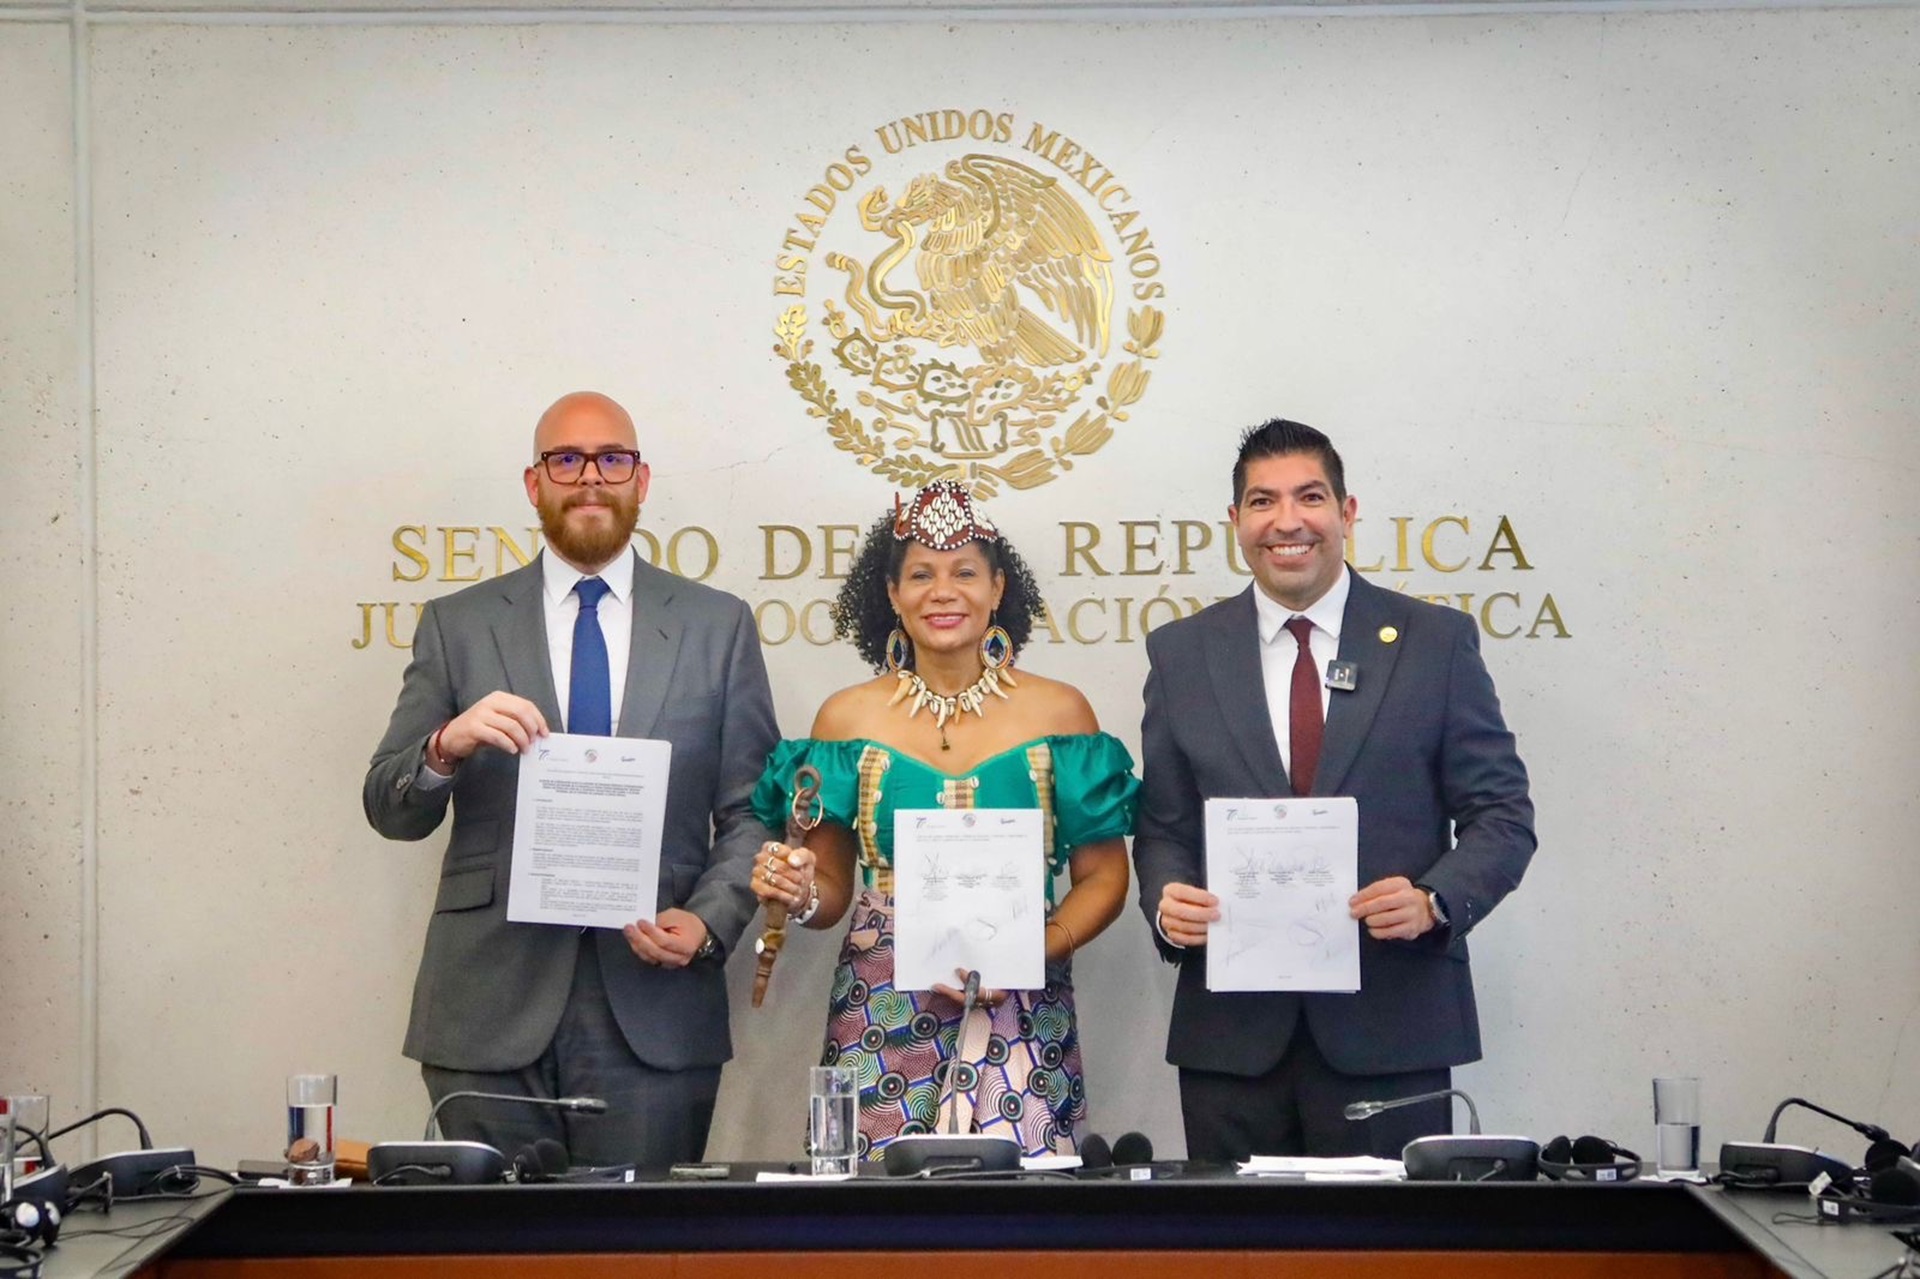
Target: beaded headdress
[(942, 517)]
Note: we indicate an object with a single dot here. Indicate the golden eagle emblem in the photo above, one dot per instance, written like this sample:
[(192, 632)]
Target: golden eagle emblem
[(980, 233), (974, 316)]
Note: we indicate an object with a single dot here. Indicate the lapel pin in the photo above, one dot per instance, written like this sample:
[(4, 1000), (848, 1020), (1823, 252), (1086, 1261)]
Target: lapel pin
[(1342, 677), (1389, 634)]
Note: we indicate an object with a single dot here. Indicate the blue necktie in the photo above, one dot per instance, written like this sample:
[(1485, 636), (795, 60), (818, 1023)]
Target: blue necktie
[(589, 694)]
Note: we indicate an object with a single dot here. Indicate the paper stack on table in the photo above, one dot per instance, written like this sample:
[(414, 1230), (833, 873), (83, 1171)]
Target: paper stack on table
[(1303, 1168)]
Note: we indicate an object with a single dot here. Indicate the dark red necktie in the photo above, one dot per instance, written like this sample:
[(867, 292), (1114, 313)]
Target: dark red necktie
[(1306, 722)]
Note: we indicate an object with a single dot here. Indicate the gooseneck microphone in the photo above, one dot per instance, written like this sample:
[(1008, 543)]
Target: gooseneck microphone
[(969, 997), (457, 1163), (1368, 1109), (1872, 1132), (926, 1154), (1767, 1164), (1450, 1158), (577, 1105)]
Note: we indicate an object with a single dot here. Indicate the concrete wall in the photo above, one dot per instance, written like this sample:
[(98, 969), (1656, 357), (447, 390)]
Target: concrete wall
[(1639, 284)]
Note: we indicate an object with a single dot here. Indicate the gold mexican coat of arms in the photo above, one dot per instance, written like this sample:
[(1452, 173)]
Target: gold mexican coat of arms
[(973, 317)]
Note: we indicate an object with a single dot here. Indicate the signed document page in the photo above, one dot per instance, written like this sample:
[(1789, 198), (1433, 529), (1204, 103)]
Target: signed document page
[(586, 831), (969, 891), (1283, 870)]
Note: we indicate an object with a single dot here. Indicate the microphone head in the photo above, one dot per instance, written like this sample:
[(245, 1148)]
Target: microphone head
[(1132, 1148), (1362, 1110), (584, 1105), (1095, 1152)]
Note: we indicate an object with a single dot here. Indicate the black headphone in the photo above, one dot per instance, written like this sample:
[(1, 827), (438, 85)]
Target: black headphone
[(1588, 1159), (544, 1160), (547, 1160), (1886, 1189), (20, 1258), (32, 1216)]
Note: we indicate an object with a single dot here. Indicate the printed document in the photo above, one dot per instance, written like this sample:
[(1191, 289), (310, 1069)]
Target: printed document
[(1283, 870), (969, 891), (587, 826)]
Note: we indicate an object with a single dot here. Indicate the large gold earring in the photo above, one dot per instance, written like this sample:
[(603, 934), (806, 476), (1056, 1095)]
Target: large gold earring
[(996, 648), (899, 651)]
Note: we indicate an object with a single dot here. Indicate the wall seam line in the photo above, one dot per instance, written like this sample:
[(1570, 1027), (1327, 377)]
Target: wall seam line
[(89, 451)]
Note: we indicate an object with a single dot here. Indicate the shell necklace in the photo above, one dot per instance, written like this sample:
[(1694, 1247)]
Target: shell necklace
[(948, 706)]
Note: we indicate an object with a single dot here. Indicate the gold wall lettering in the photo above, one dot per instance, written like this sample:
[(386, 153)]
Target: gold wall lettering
[(1150, 556)]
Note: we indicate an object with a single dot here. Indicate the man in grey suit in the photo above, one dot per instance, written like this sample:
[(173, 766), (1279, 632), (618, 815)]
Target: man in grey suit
[(1241, 703), (591, 637)]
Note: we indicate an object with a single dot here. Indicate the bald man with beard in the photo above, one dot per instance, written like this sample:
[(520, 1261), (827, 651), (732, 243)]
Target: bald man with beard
[(638, 1016)]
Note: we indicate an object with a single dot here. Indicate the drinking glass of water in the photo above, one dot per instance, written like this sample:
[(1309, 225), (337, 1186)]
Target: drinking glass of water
[(310, 1105), (23, 1130), (1676, 1125), (830, 1121)]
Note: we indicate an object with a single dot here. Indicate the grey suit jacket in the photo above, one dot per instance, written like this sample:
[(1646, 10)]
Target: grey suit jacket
[(489, 993), (1420, 743)]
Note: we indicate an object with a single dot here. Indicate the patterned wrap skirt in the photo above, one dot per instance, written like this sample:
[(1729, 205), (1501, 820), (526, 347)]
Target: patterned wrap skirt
[(1019, 1074)]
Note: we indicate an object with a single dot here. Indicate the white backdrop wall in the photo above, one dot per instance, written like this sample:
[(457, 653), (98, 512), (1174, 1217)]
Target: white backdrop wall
[(1640, 284)]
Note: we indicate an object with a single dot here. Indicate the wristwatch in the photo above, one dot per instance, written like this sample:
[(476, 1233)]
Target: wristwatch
[(709, 949), (1433, 904)]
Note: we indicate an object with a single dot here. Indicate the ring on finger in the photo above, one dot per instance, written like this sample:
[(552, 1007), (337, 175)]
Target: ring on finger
[(771, 878)]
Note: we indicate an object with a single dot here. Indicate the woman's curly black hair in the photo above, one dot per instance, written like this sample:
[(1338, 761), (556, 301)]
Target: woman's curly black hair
[(863, 613)]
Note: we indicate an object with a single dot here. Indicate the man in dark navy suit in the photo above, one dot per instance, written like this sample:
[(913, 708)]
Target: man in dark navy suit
[(1238, 706)]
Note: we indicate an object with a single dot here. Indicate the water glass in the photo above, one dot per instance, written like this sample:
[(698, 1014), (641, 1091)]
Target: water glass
[(23, 1126), (830, 1120), (1676, 1125), (310, 1105)]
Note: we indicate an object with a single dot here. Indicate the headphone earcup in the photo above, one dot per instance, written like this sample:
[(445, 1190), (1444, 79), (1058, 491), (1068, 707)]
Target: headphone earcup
[(1897, 1184), (1883, 1154), (1592, 1150), (553, 1157), (526, 1165), (1557, 1151), (35, 1220)]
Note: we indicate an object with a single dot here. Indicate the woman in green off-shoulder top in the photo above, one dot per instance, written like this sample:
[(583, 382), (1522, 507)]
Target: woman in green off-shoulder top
[(940, 604)]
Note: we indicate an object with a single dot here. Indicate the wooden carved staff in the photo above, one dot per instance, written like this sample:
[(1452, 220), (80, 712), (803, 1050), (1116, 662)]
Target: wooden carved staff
[(801, 819)]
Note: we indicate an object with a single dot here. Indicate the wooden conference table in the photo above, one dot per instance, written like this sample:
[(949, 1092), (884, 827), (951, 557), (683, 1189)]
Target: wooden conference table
[(1191, 1225)]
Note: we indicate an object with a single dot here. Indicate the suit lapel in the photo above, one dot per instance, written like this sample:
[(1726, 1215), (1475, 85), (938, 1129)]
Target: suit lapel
[(520, 635), (656, 646), (1233, 665), (1349, 715)]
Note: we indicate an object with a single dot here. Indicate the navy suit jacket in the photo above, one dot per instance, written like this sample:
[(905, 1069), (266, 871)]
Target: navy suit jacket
[(490, 993), (1419, 742)]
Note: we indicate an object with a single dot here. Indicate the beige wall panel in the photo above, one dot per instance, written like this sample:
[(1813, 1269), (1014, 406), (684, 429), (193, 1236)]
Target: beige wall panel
[(1639, 284), (42, 526), (673, 10)]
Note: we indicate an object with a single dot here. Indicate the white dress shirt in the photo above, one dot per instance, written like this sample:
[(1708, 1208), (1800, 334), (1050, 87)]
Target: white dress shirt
[(557, 580), (561, 607), (1278, 650)]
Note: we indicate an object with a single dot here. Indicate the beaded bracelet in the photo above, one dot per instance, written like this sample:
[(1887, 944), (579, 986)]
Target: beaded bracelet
[(434, 752)]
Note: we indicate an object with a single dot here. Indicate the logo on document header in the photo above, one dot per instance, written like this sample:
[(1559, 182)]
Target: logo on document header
[(970, 296)]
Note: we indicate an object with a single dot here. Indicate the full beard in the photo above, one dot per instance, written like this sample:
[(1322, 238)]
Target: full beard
[(592, 544)]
